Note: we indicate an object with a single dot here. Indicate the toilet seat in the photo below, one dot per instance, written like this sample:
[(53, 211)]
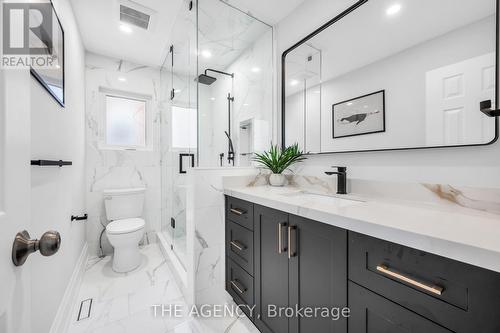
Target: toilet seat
[(125, 226)]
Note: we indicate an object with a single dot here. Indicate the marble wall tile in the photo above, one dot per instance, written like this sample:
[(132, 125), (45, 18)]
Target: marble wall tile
[(120, 168), (252, 89), (206, 217)]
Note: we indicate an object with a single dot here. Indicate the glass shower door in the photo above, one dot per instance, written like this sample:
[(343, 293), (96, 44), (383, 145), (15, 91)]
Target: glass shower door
[(179, 133)]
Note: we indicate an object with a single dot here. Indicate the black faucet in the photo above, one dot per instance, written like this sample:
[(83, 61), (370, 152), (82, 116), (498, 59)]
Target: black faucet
[(341, 179)]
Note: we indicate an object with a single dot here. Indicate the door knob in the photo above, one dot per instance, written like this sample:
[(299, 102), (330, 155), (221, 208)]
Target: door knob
[(23, 246)]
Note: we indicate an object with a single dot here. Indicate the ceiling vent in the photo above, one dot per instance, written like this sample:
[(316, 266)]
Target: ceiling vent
[(134, 17)]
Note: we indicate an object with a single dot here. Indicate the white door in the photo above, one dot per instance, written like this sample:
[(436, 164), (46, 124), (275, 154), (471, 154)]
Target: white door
[(15, 293), (453, 94)]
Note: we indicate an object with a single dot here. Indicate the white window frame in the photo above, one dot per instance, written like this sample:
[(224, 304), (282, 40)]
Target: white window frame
[(105, 92)]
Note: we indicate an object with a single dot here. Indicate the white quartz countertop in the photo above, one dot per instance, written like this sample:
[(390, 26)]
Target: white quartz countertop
[(465, 235)]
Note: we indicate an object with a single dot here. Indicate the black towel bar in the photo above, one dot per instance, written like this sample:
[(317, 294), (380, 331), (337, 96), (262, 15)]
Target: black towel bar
[(79, 218), (59, 163)]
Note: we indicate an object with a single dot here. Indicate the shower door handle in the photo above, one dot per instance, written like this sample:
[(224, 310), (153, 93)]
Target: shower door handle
[(181, 162)]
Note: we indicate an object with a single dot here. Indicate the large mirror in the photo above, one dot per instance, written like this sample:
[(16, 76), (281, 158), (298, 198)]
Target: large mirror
[(394, 74)]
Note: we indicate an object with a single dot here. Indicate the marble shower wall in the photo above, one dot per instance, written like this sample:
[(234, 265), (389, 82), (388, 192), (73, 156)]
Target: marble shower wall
[(253, 101), (206, 231), (120, 168)]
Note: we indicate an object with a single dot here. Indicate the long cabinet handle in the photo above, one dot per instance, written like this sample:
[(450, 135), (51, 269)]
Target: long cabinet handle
[(235, 284), (238, 245), (237, 211), (437, 290), (292, 251), (280, 237)]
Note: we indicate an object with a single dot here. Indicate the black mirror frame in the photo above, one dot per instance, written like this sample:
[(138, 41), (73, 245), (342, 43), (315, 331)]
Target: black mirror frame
[(40, 79), (338, 18)]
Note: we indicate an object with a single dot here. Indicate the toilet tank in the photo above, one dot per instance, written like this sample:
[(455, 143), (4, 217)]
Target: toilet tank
[(124, 203)]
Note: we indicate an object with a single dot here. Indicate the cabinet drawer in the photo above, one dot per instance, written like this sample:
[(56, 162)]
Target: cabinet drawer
[(240, 211), (453, 294), (239, 245), (239, 284), (371, 313)]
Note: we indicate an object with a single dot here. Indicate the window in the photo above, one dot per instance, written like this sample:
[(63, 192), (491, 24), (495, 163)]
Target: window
[(184, 128), (125, 121)]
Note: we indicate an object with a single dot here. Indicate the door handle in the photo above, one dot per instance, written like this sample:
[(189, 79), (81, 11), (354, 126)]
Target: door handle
[(23, 246), (292, 250), (280, 237)]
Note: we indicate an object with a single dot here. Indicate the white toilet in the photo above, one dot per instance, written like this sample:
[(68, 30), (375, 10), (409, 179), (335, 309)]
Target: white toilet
[(126, 229)]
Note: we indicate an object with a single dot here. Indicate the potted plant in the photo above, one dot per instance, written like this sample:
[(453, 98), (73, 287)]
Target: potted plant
[(277, 161)]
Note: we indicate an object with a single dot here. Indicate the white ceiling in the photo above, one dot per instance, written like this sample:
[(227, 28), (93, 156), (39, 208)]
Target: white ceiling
[(99, 25)]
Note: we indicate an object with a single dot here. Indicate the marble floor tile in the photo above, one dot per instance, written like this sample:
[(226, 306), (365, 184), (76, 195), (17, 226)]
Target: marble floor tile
[(123, 303)]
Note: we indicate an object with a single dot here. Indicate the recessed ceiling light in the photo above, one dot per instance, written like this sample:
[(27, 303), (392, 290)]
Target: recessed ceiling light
[(349, 104), (212, 98), (206, 54), (246, 104), (393, 10), (256, 69), (122, 79), (294, 82), (125, 28)]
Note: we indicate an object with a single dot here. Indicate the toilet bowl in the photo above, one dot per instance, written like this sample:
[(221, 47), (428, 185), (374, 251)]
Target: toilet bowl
[(126, 228), (125, 235)]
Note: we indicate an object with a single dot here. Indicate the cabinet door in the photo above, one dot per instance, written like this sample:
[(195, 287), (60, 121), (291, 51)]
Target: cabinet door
[(318, 274), (371, 313), (271, 269)]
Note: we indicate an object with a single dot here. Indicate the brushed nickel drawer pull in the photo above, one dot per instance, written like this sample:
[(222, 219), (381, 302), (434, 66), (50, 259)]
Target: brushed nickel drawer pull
[(241, 290), (280, 237), (437, 290), (238, 245), (237, 211), (291, 253)]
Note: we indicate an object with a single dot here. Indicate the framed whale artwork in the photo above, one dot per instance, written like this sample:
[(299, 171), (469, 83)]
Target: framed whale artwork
[(359, 116)]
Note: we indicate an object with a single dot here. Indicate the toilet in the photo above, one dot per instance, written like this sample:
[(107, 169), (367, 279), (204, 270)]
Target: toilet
[(126, 227)]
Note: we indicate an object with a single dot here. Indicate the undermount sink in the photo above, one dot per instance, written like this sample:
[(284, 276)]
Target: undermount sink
[(323, 199)]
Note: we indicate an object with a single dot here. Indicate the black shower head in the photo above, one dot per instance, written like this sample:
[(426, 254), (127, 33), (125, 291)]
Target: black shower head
[(206, 79)]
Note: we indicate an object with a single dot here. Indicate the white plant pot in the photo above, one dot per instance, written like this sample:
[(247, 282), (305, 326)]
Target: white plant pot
[(277, 179)]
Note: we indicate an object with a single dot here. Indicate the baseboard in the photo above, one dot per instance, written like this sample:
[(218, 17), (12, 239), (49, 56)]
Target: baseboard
[(63, 315)]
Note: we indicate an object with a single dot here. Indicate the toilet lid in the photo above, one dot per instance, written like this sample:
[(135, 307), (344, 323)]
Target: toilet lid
[(125, 226)]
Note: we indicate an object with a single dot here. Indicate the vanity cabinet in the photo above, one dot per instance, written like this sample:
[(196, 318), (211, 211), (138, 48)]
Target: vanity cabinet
[(371, 313), (299, 263), (458, 296), (279, 260), (296, 262), (271, 268), (317, 273)]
